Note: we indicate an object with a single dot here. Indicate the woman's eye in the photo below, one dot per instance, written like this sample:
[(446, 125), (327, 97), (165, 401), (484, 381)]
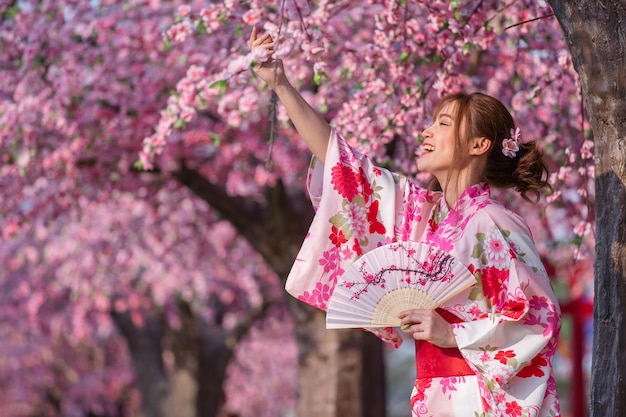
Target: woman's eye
[(443, 124)]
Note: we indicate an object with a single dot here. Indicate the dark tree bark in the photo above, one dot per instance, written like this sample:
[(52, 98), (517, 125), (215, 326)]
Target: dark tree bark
[(341, 373), (202, 353), (595, 31), (144, 345)]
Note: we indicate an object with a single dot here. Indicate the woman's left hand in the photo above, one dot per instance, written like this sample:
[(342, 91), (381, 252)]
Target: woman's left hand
[(428, 325)]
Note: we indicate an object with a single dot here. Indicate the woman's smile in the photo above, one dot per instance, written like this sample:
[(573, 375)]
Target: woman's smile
[(439, 137)]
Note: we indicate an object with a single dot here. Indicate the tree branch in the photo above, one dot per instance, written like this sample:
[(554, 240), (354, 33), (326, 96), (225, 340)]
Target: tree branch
[(274, 227)]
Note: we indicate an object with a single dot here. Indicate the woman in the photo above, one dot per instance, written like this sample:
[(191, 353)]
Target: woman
[(487, 351)]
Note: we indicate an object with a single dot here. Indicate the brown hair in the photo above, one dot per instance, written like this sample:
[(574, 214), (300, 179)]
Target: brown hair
[(481, 115)]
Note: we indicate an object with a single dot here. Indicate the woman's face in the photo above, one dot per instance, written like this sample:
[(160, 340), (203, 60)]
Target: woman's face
[(437, 157)]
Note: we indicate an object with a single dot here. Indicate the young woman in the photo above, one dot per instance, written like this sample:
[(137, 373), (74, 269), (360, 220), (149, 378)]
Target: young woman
[(488, 351)]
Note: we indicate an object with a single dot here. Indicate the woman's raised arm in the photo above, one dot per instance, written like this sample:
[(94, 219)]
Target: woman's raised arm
[(313, 129)]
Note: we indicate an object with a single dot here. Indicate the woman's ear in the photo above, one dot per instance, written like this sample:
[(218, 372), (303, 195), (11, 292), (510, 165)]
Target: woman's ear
[(480, 146)]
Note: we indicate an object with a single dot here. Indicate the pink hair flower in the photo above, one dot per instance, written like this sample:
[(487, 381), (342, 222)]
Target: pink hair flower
[(510, 146)]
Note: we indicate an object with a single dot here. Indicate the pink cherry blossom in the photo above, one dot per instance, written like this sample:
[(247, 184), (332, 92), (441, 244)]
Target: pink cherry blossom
[(89, 92)]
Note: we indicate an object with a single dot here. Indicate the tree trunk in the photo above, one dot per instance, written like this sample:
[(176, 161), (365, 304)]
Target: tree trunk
[(144, 345), (596, 37), (341, 373), (202, 353)]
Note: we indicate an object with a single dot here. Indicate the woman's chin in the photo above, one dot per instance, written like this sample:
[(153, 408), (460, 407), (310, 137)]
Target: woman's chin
[(422, 166)]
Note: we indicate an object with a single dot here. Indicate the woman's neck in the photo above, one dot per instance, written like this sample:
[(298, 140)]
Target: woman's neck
[(454, 186), (452, 194)]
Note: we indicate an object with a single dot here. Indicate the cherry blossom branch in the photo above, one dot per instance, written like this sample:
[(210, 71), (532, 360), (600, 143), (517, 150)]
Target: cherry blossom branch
[(528, 21)]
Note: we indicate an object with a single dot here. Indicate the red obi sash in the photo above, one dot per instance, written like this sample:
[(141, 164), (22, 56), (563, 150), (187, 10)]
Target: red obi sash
[(434, 362)]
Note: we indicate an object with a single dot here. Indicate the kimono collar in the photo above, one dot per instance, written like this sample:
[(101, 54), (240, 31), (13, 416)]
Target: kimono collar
[(470, 197), (479, 190)]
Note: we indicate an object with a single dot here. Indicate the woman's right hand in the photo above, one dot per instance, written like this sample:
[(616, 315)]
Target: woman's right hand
[(315, 131), (270, 71)]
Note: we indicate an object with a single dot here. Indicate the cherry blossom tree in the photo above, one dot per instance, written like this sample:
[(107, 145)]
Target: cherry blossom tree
[(376, 72), (378, 77), (109, 268), (144, 168), (185, 314)]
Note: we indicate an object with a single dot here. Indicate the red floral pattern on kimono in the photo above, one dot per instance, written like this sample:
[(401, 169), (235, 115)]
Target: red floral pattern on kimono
[(509, 321)]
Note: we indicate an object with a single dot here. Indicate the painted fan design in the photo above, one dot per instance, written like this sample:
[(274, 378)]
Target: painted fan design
[(393, 278)]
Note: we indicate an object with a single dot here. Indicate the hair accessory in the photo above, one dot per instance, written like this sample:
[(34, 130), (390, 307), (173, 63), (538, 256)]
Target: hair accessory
[(510, 146)]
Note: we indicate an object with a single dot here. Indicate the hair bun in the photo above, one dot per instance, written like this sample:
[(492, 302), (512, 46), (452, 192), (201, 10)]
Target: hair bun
[(531, 173)]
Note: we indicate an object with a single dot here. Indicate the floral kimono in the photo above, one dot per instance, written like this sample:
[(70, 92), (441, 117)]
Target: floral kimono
[(506, 325)]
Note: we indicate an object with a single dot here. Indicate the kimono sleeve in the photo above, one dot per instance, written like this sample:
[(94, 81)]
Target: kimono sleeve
[(347, 193), (511, 343)]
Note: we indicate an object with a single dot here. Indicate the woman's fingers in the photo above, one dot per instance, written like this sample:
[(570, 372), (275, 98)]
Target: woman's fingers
[(263, 40), (412, 315), (426, 324), (268, 46), (406, 328), (259, 41), (252, 36), (270, 70), (416, 321)]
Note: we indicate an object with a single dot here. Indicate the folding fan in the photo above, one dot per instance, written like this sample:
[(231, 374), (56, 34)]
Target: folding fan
[(393, 278)]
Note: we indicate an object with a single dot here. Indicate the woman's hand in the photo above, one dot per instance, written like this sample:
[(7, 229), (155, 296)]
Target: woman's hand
[(428, 325), (315, 131), (270, 71)]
